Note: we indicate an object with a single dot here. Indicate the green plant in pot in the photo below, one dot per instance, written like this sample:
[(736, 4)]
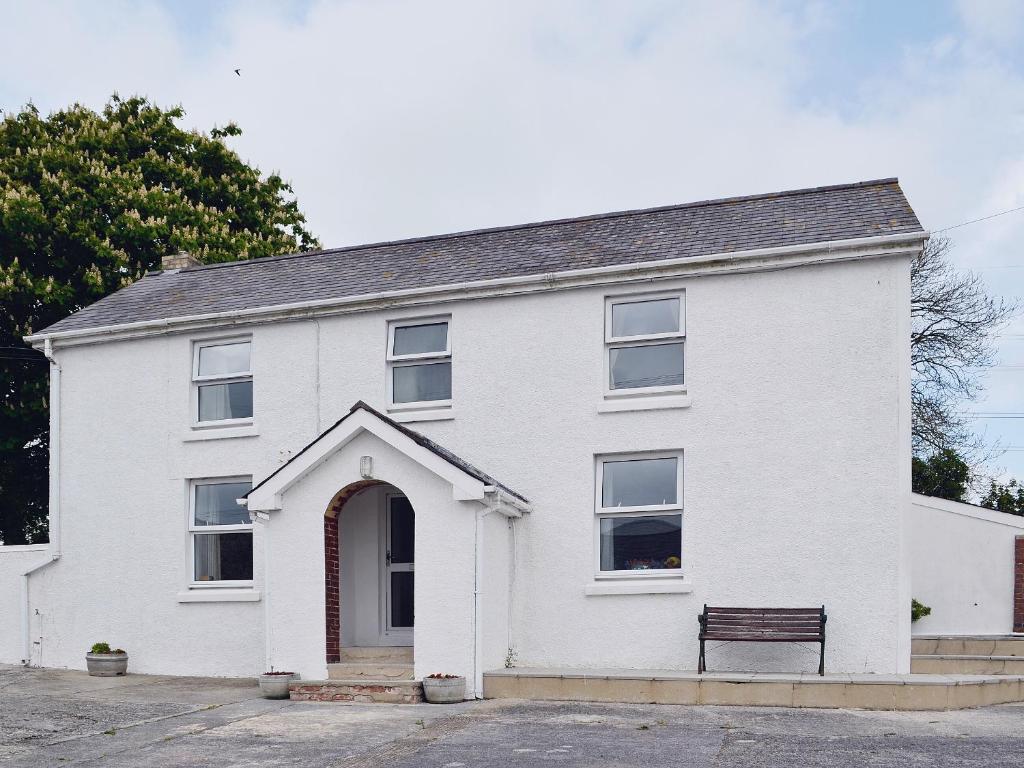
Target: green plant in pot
[(101, 661)]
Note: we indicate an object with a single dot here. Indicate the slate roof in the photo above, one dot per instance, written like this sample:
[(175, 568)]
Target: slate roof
[(804, 216), (416, 437)]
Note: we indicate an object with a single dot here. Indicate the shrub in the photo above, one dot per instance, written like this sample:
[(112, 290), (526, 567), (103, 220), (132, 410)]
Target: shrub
[(105, 648), (918, 610)]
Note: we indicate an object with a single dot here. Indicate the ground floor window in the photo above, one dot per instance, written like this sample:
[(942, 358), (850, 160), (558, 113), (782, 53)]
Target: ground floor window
[(639, 513), (221, 532)]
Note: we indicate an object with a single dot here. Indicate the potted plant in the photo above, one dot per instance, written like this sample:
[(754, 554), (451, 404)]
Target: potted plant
[(274, 685), (103, 662), (444, 689)]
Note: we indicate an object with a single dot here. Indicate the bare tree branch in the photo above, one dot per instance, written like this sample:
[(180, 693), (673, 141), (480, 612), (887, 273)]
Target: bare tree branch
[(953, 320)]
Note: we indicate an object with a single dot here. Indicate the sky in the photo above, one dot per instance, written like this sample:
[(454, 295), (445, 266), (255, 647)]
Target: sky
[(397, 118)]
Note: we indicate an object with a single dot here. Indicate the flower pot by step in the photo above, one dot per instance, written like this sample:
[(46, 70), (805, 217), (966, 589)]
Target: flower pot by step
[(444, 690), (275, 685), (106, 664)]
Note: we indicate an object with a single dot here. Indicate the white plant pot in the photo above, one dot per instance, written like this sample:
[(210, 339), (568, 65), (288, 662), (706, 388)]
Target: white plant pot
[(444, 690), (106, 664), (275, 686)]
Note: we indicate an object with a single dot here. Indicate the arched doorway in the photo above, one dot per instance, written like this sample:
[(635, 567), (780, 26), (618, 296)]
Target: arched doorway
[(369, 558)]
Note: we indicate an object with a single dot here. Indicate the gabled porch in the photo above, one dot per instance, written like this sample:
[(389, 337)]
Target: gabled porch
[(414, 543)]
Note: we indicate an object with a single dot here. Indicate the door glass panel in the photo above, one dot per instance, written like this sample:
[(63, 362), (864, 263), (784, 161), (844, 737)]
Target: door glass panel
[(401, 598), (402, 531)]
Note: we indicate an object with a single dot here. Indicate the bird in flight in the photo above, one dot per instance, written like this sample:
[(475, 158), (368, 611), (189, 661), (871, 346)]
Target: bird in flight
[(238, 72)]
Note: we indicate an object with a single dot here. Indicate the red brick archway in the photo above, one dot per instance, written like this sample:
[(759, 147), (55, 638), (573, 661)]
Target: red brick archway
[(332, 566)]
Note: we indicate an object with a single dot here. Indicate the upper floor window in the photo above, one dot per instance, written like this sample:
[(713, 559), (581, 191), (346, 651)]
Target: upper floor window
[(420, 363), (639, 513), (221, 531), (222, 382), (644, 339)]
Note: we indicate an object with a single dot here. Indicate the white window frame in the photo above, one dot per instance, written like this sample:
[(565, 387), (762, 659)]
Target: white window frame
[(601, 512), (194, 529), (219, 378), (419, 358), (618, 342)]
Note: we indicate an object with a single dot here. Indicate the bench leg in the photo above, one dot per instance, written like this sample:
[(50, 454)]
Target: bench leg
[(821, 664), (700, 660)]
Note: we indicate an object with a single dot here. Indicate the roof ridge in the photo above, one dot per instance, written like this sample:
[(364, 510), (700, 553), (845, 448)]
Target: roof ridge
[(547, 223)]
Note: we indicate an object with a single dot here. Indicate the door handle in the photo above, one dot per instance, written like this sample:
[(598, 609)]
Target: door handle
[(387, 557)]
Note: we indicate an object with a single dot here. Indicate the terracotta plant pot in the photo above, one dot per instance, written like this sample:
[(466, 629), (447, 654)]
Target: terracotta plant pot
[(444, 690), (106, 664), (274, 685)]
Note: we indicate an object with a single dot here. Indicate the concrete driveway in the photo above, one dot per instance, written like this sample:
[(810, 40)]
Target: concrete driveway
[(63, 718)]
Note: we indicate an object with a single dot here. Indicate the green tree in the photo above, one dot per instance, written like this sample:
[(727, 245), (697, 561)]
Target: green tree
[(1005, 498), (943, 474), (88, 203)]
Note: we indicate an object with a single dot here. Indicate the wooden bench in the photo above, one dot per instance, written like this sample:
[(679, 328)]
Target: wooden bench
[(763, 625)]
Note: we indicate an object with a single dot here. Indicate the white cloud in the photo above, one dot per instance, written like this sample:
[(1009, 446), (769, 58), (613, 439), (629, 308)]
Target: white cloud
[(401, 118)]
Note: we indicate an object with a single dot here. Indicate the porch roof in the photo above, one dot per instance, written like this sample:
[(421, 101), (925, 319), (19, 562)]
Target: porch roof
[(316, 450)]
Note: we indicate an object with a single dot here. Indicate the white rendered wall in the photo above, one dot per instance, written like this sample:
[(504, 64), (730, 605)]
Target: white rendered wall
[(962, 562), (793, 487), (495, 586)]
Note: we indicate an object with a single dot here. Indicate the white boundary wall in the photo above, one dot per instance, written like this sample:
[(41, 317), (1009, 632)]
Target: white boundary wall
[(14, 561), (962, 566)]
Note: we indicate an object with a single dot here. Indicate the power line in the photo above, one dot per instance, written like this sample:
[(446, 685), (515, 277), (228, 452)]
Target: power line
[(975, 221)]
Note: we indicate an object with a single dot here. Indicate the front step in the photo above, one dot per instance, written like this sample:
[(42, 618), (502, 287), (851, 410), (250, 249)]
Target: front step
[(363, 691), (376, 654), (951, 664), (383, 670), (967, 645)]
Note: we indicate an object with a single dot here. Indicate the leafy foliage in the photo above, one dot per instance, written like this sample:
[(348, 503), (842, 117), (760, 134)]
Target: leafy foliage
[(100, 648), (88, 203), (944, 474), (918, 610), (1005, 498)]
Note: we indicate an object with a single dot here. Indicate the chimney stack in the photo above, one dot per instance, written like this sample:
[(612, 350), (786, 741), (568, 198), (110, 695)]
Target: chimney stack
[(179, 260)]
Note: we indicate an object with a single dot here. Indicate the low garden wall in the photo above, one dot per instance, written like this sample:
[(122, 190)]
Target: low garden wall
[(14, 561), (963, 567)]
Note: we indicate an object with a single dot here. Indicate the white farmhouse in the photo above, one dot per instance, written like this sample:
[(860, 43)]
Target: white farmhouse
[(545, 445)]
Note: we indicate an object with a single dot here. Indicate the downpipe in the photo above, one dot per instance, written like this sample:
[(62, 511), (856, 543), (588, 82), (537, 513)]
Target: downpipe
[(54, 504)]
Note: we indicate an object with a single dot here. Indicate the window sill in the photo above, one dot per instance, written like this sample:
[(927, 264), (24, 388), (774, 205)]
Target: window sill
[(435, 414), (219, 433), (659, 403), (209, 595), (647, 586)]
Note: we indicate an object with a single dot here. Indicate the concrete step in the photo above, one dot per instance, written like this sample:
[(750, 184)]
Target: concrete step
[(377, 654), (361, 690), (968, 645), (951, 664), (376, 670)]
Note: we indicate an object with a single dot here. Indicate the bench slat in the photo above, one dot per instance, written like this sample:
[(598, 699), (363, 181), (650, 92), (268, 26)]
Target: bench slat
[(766, 611)]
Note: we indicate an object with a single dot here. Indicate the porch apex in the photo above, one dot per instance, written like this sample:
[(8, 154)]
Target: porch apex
[(468, 483)]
